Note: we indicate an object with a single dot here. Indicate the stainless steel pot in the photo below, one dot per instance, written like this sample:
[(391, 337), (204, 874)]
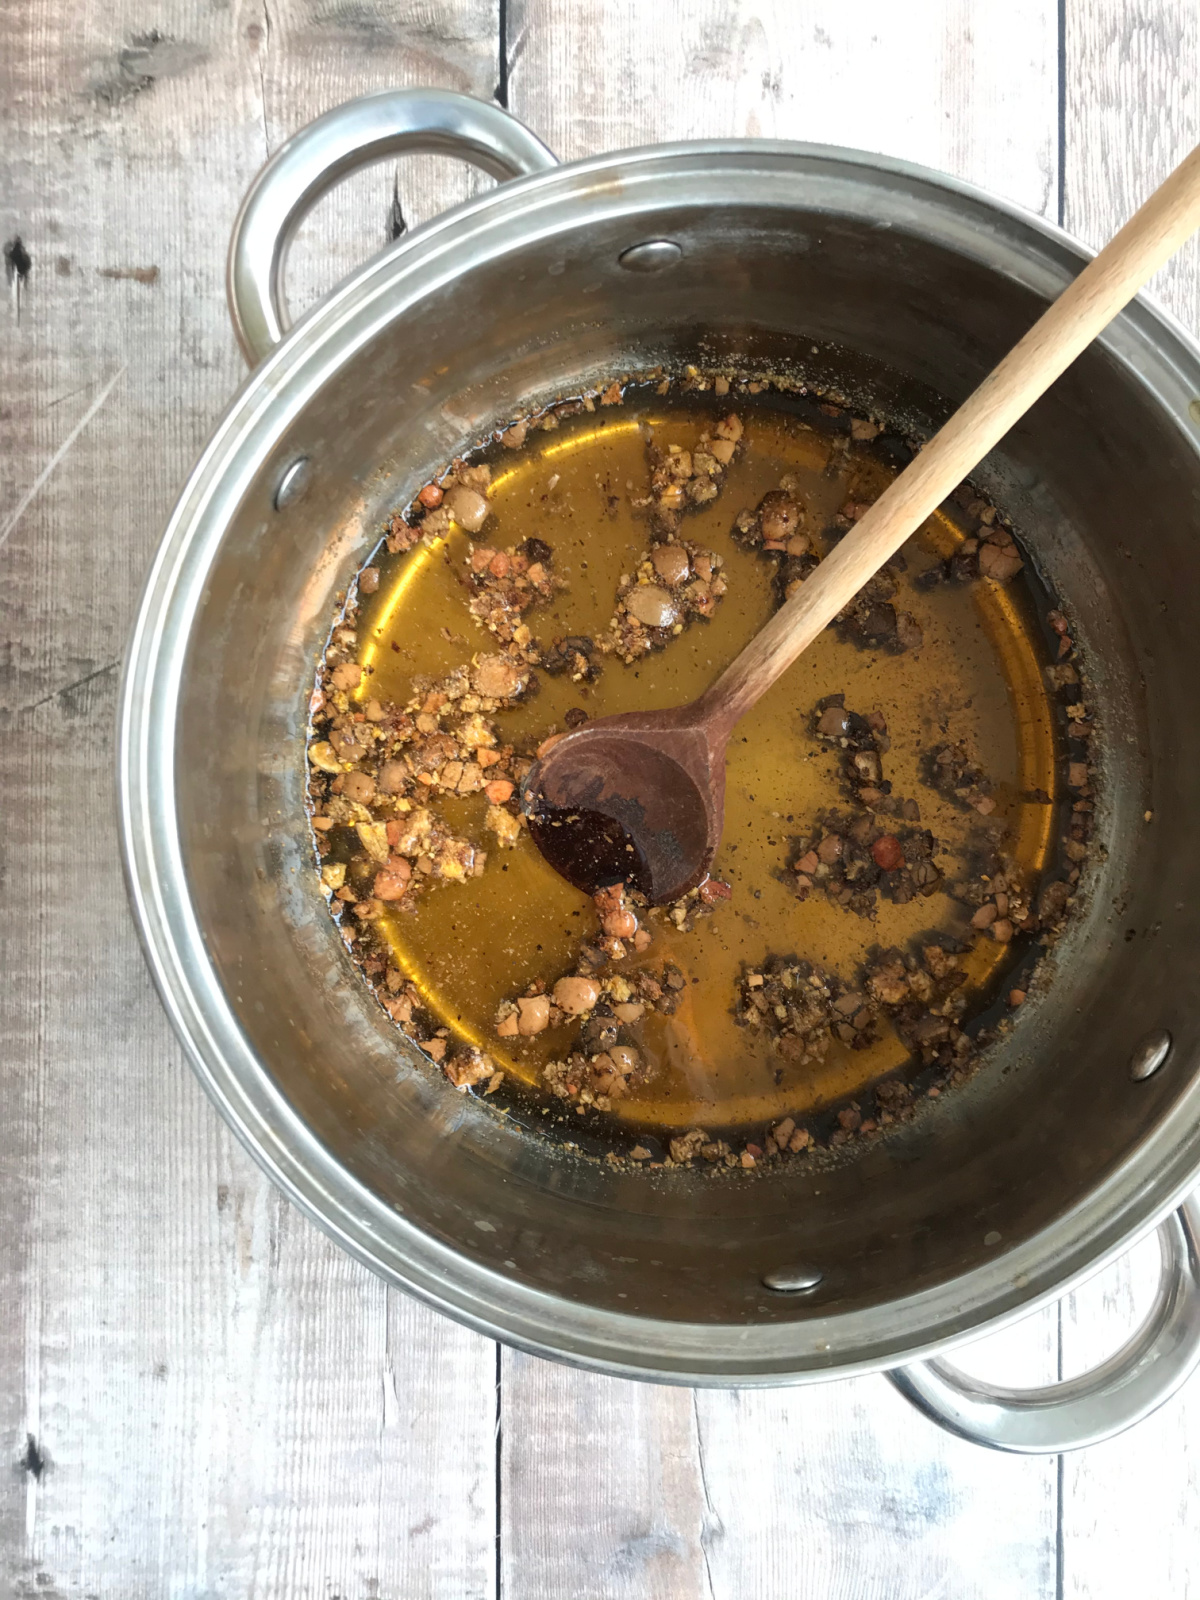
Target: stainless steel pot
[(904, 287)]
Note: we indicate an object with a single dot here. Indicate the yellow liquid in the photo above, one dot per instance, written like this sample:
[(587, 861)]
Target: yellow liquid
[(976, 680)]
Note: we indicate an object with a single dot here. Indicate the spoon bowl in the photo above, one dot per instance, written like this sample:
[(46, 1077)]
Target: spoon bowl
[(636, 798)]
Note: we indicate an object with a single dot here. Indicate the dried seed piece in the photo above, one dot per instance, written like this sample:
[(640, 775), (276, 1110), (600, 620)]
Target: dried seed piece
[(1000, 562), (373, 836), (392, 778), (576, 996), (392, 883), (322, 756), (497, 677), (652, 607), (686, 1146), (780, 516), (504, 825), (359, 787), (346, 677), (468, 508), (671, 563), (888, 852), (533, 1014), (467, 1067)]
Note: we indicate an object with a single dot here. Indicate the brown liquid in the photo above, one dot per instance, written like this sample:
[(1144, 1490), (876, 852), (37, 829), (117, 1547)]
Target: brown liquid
[(977, 680)]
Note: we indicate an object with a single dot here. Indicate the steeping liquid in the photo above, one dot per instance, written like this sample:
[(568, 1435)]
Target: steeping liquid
[(975, 681)]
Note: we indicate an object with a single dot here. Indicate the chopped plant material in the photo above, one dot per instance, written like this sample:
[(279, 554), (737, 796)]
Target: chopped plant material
[(683, 480), (872, 619), (505, 584), (779, 527), (671, 585), (854, 860), (800, 1006), (949, 770), (989, 549), (575, 656), (865, 741)]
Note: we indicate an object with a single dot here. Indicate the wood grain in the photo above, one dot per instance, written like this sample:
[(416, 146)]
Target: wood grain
[(842, 1493), (1132, 112), (1130, 1508), (967, 88), (224, 1403), (602, 1489)]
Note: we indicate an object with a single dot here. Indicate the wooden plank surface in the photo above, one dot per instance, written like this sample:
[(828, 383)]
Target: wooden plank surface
[(1130, 1508), (198, 1394), (223, 1402), (967, 88)]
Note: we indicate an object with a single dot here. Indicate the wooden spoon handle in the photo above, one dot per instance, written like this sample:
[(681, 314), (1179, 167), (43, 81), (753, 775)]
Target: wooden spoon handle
[(1150, 238)]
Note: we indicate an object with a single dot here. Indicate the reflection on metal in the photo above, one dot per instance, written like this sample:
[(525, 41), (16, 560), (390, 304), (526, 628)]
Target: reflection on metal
[(292, 485), (389, 123), (793, 1280), (1150, 1054), (656, 255), (1096, 1405)]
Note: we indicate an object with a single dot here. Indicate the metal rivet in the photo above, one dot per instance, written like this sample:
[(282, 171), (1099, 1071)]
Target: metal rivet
[(653, 256), (1194, 411), (293, 483), (792, 1280), (1150, 1055)]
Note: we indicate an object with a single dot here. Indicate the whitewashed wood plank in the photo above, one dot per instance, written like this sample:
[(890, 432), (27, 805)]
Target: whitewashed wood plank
[(437, 1497), (602, 1488), (841, 1489), (786, 1494), (223, 1402), (1132, 113), (842, 1492), (1131, 1508), (966, 88)]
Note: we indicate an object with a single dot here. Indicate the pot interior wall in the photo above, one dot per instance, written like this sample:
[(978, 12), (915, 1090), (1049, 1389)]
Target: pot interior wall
[(1104, 485)]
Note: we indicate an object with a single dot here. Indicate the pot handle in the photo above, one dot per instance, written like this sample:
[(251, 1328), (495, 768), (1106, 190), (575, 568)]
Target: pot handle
[(1095, 1406), (433, 121)]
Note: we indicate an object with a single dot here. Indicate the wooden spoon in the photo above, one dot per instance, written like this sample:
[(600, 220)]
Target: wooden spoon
[(639, 798)]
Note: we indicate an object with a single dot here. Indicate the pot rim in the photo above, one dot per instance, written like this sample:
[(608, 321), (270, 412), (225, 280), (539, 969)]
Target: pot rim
[(1150, 1181)]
